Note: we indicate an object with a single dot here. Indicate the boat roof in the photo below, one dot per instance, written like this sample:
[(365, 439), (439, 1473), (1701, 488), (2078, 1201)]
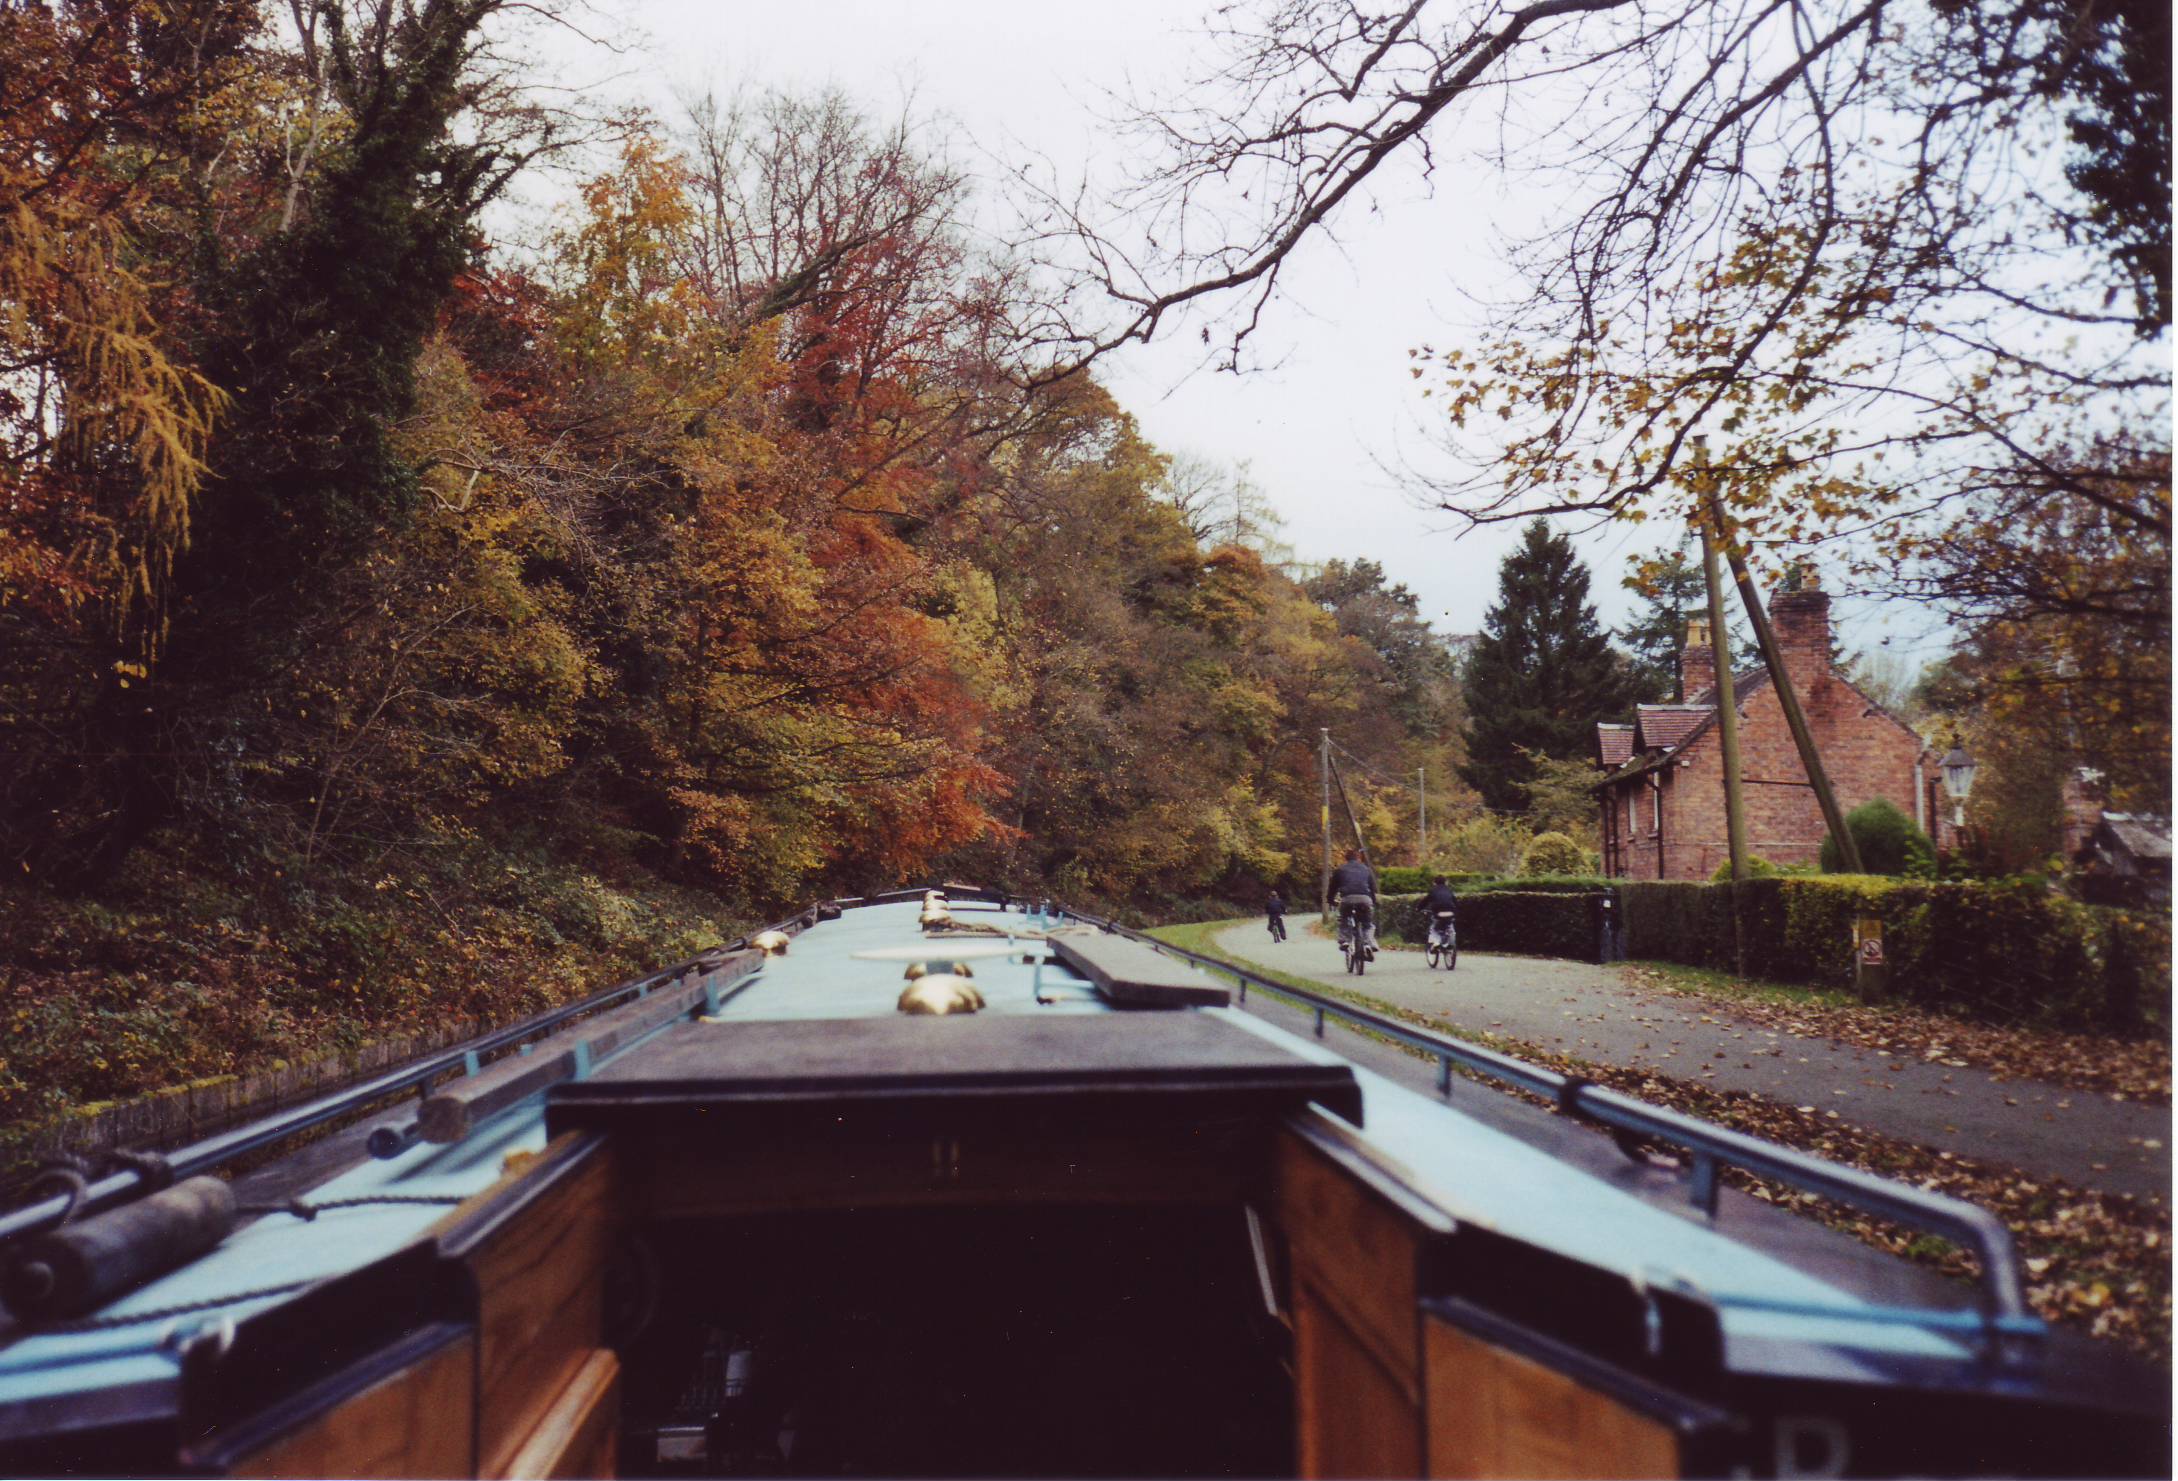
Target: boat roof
[(127, 1357)]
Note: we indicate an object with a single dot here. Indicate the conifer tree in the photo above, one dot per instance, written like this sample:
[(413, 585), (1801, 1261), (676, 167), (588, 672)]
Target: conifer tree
[(1541, 674), (1671, 591)]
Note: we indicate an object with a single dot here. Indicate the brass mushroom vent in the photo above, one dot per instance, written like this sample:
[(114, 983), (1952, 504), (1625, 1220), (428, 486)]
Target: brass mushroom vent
[(940, 993)]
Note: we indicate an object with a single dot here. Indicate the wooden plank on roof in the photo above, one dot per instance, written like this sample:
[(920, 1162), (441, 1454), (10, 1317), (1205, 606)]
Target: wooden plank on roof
[(458, 1108), (1129, 973)]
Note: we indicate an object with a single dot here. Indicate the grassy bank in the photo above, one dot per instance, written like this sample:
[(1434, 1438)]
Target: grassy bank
[(177, 972)]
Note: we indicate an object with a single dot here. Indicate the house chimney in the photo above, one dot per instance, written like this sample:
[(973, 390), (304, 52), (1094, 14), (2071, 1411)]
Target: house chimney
[(1697, 662), (2083, 800), (1800, 619)]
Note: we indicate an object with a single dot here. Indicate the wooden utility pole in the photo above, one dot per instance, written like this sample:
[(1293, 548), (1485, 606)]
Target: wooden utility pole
[(1338, 780), (1421, 819), (1774, 659), (1323, 885), (1735, 812)]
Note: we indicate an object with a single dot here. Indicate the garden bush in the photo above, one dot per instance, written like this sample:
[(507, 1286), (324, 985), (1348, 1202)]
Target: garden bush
[(1757, 868), (1484, 844), (1889, 842), (1552, 853)]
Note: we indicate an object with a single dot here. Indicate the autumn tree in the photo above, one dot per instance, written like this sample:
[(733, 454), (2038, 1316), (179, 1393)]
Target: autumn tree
[(1386, 618), (301, 282)]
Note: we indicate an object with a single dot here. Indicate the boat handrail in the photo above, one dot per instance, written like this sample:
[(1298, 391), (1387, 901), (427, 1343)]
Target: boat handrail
[(1710, 1148), (214, 1152)]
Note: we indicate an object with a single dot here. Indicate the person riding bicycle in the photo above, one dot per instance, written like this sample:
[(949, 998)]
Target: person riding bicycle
[(1275, 909), (1440, 907), (1353, 891)]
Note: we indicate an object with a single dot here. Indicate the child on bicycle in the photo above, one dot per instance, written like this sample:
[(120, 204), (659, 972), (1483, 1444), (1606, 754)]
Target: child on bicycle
[(1441, 908), (1275, 909)]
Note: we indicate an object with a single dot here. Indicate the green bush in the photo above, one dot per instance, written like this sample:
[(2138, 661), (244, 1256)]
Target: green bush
[(1889, 843), (1551, 853), (1757, 868), (1484, 844)]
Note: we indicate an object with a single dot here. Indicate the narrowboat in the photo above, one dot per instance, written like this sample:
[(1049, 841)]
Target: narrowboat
[(942, 1183)]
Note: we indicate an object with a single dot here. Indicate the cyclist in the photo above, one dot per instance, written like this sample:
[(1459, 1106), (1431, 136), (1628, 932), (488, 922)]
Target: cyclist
[(1353, 891), (1441, 909), (1275, 908)]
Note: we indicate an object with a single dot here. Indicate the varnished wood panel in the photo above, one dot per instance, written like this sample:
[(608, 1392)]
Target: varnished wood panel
[(539, 1279), (1354, 1416), (1494, 1413), (418, 1421), (1356, 1250), (680, 1178), (579, 1435)]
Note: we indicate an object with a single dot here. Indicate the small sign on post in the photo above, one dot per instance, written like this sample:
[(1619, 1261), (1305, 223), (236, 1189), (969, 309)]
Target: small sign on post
[(1871, 971)]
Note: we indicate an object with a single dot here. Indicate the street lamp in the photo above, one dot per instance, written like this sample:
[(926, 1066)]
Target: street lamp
[(1958, 769)]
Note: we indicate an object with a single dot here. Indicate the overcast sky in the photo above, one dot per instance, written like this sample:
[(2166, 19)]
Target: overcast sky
[(994, 79)]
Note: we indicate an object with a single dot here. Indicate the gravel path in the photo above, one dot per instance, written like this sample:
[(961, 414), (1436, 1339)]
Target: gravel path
[(1591, 1012)]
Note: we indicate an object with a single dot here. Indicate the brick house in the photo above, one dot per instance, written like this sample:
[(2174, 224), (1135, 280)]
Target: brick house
[(1663, 799)]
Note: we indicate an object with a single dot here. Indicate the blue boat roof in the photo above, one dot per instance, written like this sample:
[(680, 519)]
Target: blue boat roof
[(1470, 1170)]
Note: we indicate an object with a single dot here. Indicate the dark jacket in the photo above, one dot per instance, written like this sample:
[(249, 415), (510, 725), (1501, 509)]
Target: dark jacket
[(1441, 899), (1355, 878), (1275, 905)]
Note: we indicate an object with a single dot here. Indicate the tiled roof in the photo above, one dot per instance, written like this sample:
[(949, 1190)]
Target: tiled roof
[(1660, 730), (1744, 683), (2144, 837), (1665, 726)]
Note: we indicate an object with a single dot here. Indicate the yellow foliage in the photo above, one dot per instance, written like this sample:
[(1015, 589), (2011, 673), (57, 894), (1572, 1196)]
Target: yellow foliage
[(70, 302)]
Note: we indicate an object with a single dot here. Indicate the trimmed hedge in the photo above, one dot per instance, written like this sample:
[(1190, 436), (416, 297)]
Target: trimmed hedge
[(1549, 884), (1556, 923), (1403, 879), (2008, 951)]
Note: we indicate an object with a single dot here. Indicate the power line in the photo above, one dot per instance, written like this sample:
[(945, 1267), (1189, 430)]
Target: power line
[(1372, 771)]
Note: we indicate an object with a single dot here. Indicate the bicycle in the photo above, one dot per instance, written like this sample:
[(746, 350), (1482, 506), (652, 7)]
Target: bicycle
[(1353, 940), (1443, 948), (1278, 928)]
